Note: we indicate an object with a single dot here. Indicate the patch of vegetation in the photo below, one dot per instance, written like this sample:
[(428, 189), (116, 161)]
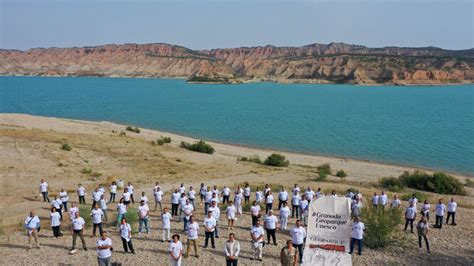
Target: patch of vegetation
[(252, 159), (392, 184), (323, 171), (440, 183), (419, 195), (66, 147), (163, 140), (208, 79), (381, 226), (277, 160), (341, 174), (96, 174), (469, 183), (200, 146), (132, 218), (86, 171), (133, 129), (85, 212), (122, 134)]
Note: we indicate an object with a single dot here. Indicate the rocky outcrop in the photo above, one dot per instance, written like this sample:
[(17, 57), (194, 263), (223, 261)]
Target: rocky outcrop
[(315, 63)]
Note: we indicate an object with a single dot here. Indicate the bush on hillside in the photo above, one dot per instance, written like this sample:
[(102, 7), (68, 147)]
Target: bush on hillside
[(86, 170), (323, 171), (341, 174), (132, 218), (276, 160), (469, 183), (438, 182), (392, 183), (321, 177), (252, 159), (163, 140), (133, 129), (200, 146), (380, 226), (85, 213), (66, 147)]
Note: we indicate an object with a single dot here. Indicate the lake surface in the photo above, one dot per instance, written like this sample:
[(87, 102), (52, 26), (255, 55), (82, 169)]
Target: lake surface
[(430, 127)]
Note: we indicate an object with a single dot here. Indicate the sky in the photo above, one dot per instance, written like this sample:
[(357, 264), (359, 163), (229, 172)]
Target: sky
[(206, 24)]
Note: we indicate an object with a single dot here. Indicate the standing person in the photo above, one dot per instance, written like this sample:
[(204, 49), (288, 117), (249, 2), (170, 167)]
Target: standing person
[(176, 251), (192, 196), (247, 192), (230, 212), (72, 211), (103, 205), (210, 226), (121, 211), (298, 235), (319, 193), (425, 210), (32, 225), (182, 202), (144, 198), (43, 189), (282, 197), (396, 203), (258, 195), (188, 212), (295, 204), (158, 198), (422, 229), (126, 235), (77, 229), (268, 202), (232, 250), (126, 196), (143, 217), (238, 202), (356, 207), (289, 255), (97, 215), (55, 222), (104, 249), (113, 191), (284, 215), (57, 203), (440, 209), (257, 233), (451, 211), (410, 216), (202, 193), (383, 199), (216, 213), (255, 212), (357, 235), (175, 202), (225, 194), (64, 198), (192, 233), (182, 188), (96, 197), (413, 200), (207, 198), (166, 224), (131, 190), (309, 194), (295, 189), (375, 200), (304, 210), (270, 223), (81, 194)]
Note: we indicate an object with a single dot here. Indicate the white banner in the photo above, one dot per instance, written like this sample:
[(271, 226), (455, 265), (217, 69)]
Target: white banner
[(328, 232)]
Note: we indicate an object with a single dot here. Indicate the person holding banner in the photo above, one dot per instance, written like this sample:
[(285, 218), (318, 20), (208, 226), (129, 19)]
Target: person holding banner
[(298, 235), (289, 255), (357, 235), (256, 233)]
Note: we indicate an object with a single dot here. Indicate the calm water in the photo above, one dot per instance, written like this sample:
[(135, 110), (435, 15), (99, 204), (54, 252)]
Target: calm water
[(430, 127)]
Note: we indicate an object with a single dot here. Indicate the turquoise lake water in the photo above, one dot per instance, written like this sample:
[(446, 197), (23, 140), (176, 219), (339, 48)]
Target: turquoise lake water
[(431, 127)]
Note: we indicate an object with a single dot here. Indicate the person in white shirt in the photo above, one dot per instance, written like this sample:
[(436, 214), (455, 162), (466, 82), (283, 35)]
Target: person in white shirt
[(158, 197), (356, 207), (175, 202), (410, 216), (298, 235), (113, 191), (126, 235), (295, 188), (126, 196), (255, 212), (43, 189), (282, 197), (55, 222), (175, 251), (78, 226), (284, 215), (215, 198), (413, 200), (270, 223), (232, 250), (64, 198), (210, 226), (182, 202), (32, 224), (202, 193), (96, 197), (230, 212), (216, 191), (131, 190), (103, 205), (81, 193), (72, 211), (258, 195), (225, 195), (247, 192), (121, 211), (104, 247), (425, 209), (216, 213), (309, 194), (333, 193), (304, 210), (422, 228), (101, 189), (238, 202), (268, 202), (207, 198), (350, 194), (452, 205), (97, 215), (383, 199), (188, 212), (396, 203), (166, 224), (295, 204), (192, 233), (357, 235), (144, 198), (192, 196), (318, 193), (440, 209), (57, 203), (143, 217), (266, 190), (257, 233), (375, 200), (182, 189)]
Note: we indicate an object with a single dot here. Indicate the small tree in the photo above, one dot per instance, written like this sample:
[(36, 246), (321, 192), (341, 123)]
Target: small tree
[(66, 147), (323, 171), (200, 146), (276, 160), (341, 174), (380, 226)]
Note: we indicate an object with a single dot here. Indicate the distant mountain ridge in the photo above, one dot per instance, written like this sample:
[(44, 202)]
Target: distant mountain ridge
[(314, 63)]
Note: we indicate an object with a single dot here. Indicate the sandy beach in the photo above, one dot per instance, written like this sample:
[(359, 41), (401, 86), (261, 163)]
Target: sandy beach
[(30, 149)]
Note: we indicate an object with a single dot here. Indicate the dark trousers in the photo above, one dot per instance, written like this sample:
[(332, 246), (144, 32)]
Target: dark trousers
[(268, 207), (112, 197), (453, 214), (56, 231), (82, 200), (271, 233), (60, 213), (206, 207), (93, 204), (45, 196), (409, 221), (131, 197), (439, 221), (127, 245), (224, 199), (359, 245), (254, 220), (211, 236), (280, 203), (300, 250), (65, 206), (231, 262), (295, 210), (95, 228), (174, 209), (246, 199), (426, 242)]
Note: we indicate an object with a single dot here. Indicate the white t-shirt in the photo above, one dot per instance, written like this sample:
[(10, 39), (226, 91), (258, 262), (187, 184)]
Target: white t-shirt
[(358, 230), (269, 199), (103, 253), (175, 198), (297, 235), (238, 199), (158, 195), (208, 196), (303, 205), (216, 212), (78, 223), (226, 191), (452, 206), (247, 191), (166, 220), (396, 203), (81, 191), (101, 190), (130, 189), (122, 208), (125, 230), (193, 230), (375, 200), (175, 248), (210, 223), (283, 196), (63, 196), (309, 195), (144, 198), (254, 210), (143, 210), (257, 232), (202, 190), (96, 195), (72, 212), (188, 210), (440, 209), (231, 212), (215, 199), (270, 221), (297, 189), (43, 187), (284, 212), (126, 196), (32, 222), (103, 204), (295, 200), (414, 201), (258, 196), (426, 208), (181, 190), (216, 191), (113, 188), (97, 216), (57, 204), (383, 199), (55, 219), (410, 213), (182, 202), (192, 194)]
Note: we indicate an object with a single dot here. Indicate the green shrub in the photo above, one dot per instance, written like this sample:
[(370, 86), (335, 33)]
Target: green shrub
[(66, 147), (440, 183), (325, 169), (132, 218), (469, 183), (133, 129), (321, 177), (86, 170), (341, 174), (276, 160), (122, 134), (200, 146), (86, 214), (380, 226), (163, 140), (252, 159), (392, 183)]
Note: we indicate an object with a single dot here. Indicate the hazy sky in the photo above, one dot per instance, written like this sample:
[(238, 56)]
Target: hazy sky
[(218, 24)]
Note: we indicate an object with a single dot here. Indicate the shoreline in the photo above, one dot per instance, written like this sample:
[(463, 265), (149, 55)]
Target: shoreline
[(225, 148)]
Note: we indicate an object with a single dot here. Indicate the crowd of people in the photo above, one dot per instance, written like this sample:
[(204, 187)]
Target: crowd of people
[(184, 203)]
